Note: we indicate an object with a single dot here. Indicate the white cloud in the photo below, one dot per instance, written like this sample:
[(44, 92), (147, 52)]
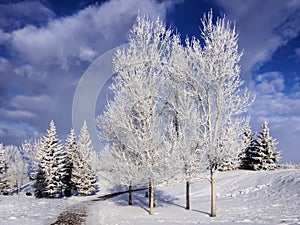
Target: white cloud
[(281, 110), (86, 54), (18, 115), (271, 100), (31, 102), (270, 82), (16, 133), (95, 28), (49, 57), (24, 71)]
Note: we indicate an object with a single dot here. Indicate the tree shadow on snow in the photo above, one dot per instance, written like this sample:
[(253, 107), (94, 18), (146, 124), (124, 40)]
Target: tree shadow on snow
[(199, 211), (194, 210), (120, 196), (139, 198)]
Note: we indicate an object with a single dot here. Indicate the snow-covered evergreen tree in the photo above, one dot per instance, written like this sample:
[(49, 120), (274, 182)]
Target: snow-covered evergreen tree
[(32, 155), (40, 182), (262, 154), (83, 176), (86, 147), (245, 156), (48, 181), (4, 184), (70, 148), (36, 152)]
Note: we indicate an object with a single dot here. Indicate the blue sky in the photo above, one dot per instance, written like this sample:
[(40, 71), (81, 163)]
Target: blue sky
[(46, 46)]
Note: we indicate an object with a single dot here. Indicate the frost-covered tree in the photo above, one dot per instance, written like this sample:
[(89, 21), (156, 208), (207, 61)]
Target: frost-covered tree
[(48, 178), (119, 169), (261, 153), (83, 176), (216, 83), (237, 143), (87, 149), (181, 108), (184, 133), (4, 184), (139, 70), (29, 154), (118, 165), (17, 169)]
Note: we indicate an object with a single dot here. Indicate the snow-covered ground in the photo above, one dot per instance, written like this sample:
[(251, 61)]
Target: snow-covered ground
[(243, 197), (30, 210)]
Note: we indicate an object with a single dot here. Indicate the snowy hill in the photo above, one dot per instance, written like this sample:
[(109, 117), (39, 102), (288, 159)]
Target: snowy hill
[(243, 197)]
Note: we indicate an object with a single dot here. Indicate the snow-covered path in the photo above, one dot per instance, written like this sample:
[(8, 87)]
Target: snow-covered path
[(74, 215)]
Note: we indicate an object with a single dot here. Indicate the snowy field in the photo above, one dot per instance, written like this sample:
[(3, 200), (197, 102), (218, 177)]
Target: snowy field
[(243, 197)]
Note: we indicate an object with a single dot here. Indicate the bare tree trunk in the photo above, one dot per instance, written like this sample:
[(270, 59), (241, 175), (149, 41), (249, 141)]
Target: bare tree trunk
[(213, 194), (130, 195), (187, 195), (19, 188), (149, 193), (151, 197)]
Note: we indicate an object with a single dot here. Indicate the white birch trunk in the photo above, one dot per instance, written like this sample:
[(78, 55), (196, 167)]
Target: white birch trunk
[(151, 212), (213, 194)]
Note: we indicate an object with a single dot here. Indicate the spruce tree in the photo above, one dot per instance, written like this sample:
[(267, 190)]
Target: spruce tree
[(48, 182), (246, 155), (261, 153), (83, 176), (40, 182), (70, 149)]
